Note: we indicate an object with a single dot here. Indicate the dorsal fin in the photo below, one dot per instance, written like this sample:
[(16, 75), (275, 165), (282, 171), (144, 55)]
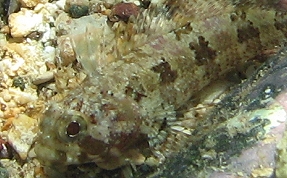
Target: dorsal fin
[(159, 20), (94, 48), (99, 46)]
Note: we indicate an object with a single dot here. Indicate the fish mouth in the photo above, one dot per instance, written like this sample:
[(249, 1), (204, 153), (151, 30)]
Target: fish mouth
[(57, 157), (50, 157), (52, 161)]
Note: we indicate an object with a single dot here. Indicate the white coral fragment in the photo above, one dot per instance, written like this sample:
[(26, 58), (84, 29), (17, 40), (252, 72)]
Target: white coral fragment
[(25, 22)]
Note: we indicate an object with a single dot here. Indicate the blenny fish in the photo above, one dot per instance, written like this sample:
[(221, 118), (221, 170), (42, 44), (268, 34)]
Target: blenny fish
[(125, 111)]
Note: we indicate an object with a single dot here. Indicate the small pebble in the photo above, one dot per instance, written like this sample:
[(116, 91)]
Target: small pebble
[(43, 78), (22, 134), (6, 96), (77, 11), (123, 11), (19, 82), (3, 173)]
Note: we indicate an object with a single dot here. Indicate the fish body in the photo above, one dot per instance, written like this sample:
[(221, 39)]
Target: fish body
[(125, 110)]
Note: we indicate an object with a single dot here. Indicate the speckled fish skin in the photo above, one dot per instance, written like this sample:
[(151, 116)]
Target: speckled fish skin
[(126, 107), (259, 115)]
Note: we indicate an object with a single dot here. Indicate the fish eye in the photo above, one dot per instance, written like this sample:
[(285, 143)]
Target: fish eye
[(71, 127)]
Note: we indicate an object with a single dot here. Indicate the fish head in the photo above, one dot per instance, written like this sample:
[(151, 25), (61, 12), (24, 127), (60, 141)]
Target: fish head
[(98, 130)]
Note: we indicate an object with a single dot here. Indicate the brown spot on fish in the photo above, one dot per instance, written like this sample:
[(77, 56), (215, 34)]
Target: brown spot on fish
[(203, 52), (93, 146), (166, 74), (278, 23), (137, 96), (247, 33)]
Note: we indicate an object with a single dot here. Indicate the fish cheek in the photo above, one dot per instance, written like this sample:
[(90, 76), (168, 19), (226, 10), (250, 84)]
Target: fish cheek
[(92, 146)]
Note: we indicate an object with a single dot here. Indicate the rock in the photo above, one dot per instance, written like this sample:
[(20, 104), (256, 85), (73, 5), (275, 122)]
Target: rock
[(22, 98), (22, 134), (77, 11), (32, 3), (4, 173), (47, 76), (25, 22)]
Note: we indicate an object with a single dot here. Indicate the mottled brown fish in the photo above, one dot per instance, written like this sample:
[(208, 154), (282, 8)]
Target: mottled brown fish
[(125, 110)]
